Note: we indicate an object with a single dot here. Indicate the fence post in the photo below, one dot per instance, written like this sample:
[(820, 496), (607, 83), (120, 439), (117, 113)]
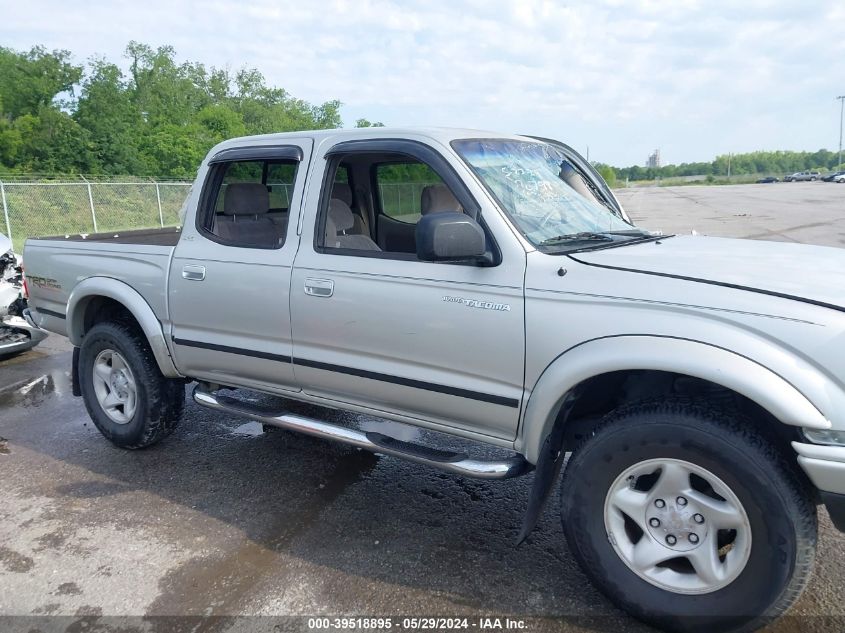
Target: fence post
[(91, 202), (5, 210), (158, 199)]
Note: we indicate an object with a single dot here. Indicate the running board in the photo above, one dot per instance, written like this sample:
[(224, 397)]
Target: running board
[(376, 442)]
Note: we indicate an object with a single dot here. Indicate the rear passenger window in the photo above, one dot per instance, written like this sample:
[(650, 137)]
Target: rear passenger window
[(280, 179), (251, 202), (400, 187)]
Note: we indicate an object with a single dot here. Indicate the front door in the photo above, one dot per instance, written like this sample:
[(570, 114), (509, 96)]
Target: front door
[(230, 274), (441, 344)]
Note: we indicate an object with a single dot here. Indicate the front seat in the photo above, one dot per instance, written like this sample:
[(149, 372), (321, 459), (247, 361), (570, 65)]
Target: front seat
[(438, 199), (245, 221), (340, 220), (343, 192)]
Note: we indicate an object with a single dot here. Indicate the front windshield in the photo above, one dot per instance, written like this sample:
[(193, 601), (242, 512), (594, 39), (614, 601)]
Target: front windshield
[(529, 179)]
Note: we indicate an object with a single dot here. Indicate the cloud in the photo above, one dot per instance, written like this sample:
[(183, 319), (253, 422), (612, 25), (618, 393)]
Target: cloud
[(694, 78)]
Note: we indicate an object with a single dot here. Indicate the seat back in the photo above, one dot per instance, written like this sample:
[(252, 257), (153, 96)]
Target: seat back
[(438, 199), (339, 222), (244, 219)]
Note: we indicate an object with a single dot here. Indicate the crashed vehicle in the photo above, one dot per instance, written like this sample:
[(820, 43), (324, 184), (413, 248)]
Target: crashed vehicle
[(16, 335), (690, 389)]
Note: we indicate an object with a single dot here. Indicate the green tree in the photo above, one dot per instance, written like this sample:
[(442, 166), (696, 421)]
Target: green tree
[(52, 141), (107, 110), (32, 80), (160, 118), (608, 173), (366, 123)]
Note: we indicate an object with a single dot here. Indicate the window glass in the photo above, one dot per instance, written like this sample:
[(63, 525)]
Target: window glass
[(400, 187), (251, 203), (541, 192), (280, 179), (340, 227), (239, 171), (342, 174)]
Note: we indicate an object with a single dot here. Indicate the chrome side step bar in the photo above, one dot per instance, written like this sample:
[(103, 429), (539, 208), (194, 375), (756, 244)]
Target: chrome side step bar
[(375, 442)]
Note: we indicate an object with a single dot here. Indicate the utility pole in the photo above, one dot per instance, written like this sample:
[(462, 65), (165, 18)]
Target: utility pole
[(841, 112)]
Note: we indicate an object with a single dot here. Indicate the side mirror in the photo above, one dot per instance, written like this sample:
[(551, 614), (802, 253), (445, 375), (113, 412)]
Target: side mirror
[(448, 236)]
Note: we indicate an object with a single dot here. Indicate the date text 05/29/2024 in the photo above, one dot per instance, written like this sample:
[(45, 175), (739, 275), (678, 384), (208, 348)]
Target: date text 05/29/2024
[(416, 623)]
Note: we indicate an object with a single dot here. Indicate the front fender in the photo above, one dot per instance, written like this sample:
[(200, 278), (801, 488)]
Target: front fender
[(787, 402), (128, 297)]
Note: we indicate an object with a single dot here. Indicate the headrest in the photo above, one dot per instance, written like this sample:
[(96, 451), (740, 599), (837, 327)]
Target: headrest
[(246, 198), (340, 214), (342, 191), (438, 198)]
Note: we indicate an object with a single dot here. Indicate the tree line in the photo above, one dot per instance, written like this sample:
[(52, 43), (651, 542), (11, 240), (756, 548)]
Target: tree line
[(774, 163), (158, 119), (161, 117)]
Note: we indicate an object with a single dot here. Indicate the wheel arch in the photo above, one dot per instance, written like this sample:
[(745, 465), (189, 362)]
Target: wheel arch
[(96, 294), (566, 378)]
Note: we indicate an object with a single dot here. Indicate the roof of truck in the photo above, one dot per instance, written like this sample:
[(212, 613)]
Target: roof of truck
[(442, 134)]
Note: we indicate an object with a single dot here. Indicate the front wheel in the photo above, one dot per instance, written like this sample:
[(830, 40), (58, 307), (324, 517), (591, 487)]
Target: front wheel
[(688, 518)]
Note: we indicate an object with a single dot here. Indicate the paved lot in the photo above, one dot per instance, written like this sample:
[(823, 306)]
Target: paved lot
[(808, 212), (223, 520)]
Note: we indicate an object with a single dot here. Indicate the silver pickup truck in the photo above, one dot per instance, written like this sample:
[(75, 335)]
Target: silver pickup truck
[(490, 287)]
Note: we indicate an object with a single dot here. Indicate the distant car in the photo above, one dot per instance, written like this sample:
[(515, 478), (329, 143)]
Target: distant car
[(768, 179), (803, 175), (831, 177), (840, 178)]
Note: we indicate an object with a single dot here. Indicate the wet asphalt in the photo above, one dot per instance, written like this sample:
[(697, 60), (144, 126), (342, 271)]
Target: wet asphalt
[(223, 520)]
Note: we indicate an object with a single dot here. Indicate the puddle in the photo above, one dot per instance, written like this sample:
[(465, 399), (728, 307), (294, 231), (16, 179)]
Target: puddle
[(404, 432), (250, 429), (31, 392)]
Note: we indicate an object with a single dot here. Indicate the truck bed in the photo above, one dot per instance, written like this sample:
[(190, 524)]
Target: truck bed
[(167, 236), (56, 265)]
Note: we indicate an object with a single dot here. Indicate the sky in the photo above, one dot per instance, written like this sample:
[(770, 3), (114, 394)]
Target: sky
[(693, 78)]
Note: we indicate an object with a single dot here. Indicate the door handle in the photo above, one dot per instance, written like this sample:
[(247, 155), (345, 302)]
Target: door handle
[(192, 272), (319, 287)]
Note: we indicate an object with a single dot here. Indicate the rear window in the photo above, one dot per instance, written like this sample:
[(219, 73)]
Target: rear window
[(279, 179)]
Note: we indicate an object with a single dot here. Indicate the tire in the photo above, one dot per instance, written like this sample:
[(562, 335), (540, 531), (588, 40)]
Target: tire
[(158, 402), (776, 538)]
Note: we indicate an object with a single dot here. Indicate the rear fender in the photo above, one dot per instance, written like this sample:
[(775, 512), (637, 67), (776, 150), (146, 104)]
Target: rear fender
[(128, 297)]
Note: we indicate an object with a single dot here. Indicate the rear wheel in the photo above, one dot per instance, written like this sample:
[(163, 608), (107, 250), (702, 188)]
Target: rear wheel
[(688, 518), (127, 397)]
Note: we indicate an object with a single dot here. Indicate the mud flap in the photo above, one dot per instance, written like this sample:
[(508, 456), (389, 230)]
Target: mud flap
[(546, 472), (74, 374)]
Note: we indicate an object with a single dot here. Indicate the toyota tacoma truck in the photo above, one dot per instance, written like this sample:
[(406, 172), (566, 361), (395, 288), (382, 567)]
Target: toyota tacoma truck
[(689, 392)]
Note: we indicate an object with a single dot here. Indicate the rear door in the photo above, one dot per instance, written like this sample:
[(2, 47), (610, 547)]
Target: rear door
[(441, 344), (230, 274)]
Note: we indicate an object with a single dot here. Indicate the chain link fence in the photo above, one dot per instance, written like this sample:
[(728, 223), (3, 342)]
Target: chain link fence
[(40, 208), (402, 200), (33, 208)]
